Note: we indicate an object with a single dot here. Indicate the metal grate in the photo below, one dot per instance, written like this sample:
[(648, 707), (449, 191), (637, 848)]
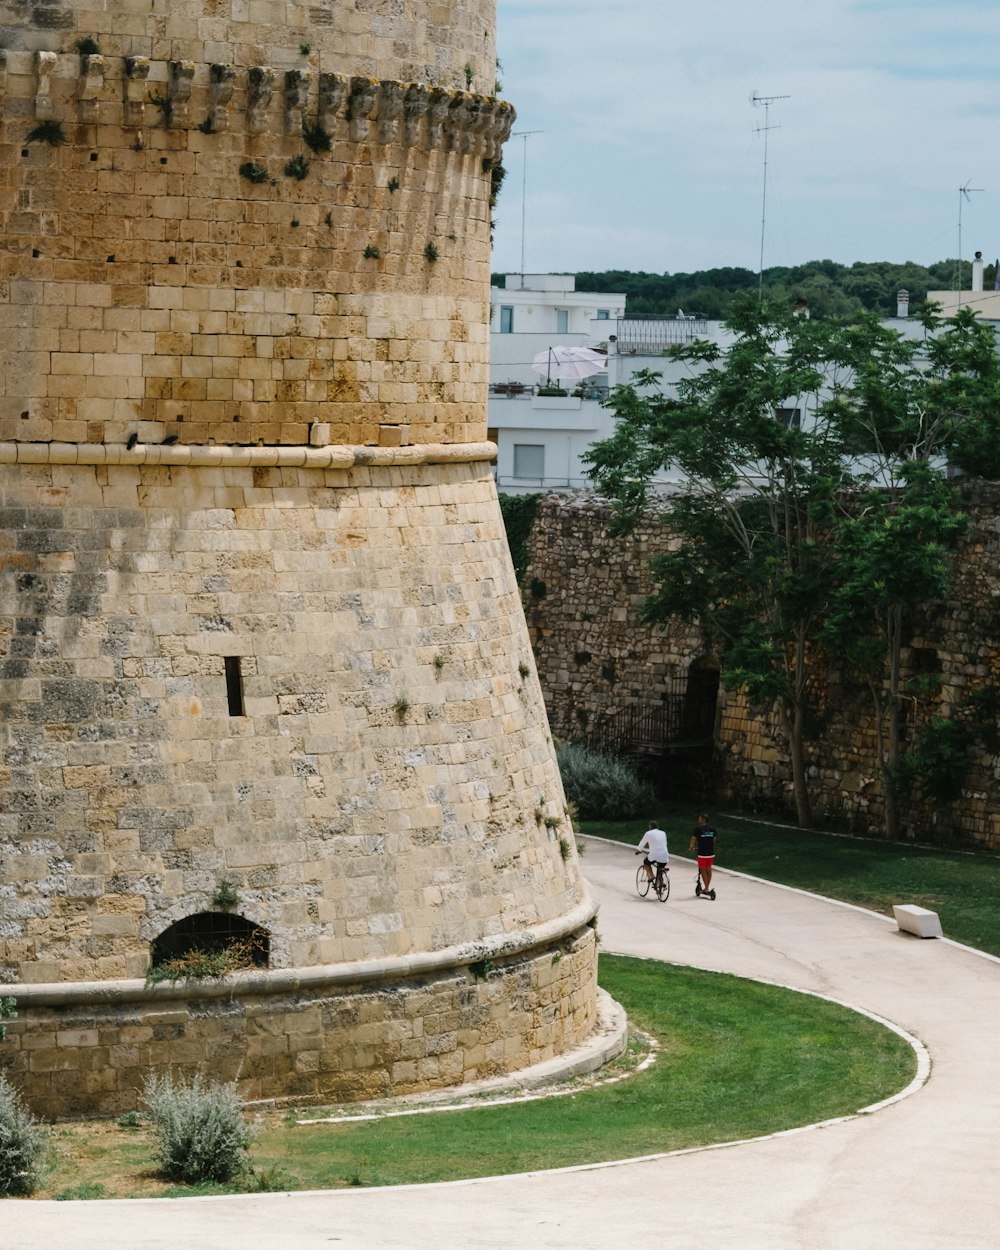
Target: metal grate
[(211, 932), (650, 335)]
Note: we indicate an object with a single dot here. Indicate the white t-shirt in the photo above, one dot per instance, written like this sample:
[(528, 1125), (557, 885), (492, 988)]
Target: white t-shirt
[(654, 843)]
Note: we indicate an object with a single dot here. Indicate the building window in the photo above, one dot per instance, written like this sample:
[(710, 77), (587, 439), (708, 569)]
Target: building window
[(529, 460), (790, 418), (234, 685), (562, 321), (506, 319), (604, 314)]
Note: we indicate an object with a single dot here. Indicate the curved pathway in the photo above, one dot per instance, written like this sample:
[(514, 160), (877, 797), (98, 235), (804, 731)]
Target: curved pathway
[(921, 1174)]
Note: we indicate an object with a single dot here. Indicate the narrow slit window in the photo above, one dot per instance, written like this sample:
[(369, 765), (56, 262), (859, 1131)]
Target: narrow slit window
[(234, 685)]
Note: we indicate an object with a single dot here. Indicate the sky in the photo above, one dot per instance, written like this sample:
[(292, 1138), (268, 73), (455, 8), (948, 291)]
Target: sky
[(650, 153)]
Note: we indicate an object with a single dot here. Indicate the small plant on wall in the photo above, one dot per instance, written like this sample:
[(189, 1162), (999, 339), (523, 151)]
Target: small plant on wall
[(297, 168), (253, 172), (226, 895), (372, 252), (431, 253), (50, 132), (316, 138)]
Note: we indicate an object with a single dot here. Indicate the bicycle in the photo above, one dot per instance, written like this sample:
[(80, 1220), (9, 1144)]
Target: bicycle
[(660, 881)]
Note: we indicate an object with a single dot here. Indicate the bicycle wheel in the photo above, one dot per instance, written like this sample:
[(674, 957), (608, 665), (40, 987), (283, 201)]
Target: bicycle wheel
[(642, 881), (663, 889)]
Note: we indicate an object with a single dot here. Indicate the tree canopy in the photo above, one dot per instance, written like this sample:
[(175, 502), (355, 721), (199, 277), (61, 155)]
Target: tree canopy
[(830, 289), (816, 508)]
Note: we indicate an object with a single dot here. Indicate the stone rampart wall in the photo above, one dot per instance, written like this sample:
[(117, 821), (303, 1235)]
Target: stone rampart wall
[(583, 590), (391, 1037)]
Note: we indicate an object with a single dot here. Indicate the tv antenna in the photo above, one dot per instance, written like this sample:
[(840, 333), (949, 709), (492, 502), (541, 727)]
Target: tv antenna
[(964, 193), (525, 135), (766, 101)]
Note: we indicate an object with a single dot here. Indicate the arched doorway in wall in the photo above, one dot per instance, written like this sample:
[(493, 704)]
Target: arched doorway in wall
[(209, 943), (688, 764), (701, 697)]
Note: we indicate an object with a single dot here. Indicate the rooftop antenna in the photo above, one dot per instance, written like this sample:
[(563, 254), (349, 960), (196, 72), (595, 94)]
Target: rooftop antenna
[(525, 135), (765, 100), (964, 193)]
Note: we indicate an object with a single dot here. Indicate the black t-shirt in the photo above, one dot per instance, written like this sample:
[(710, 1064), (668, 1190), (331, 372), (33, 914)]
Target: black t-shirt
[(706, 839)]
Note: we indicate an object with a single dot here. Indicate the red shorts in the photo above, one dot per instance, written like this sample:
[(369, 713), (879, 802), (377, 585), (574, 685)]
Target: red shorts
[(705, 861)]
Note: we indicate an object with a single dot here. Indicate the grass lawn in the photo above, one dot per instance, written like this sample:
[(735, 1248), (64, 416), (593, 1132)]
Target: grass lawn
[(777, 1059), (962, 887)]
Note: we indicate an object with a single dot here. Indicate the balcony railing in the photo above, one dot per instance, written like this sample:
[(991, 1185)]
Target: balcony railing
[(524, 390), (649, 335)]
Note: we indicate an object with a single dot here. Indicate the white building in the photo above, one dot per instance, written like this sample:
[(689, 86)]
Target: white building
[(541, 438)]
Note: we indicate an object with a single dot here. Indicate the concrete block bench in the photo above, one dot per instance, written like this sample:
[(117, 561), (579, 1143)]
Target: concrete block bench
[(918, 920)]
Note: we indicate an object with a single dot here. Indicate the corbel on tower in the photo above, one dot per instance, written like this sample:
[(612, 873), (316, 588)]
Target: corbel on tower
[(259, 98), (498, 128), (390, 110), (297, 83), (181, 80), (415, 104), (221, 79), (136, 73), (476, 119), (361, 106), (332, 91), (453, 123), (439, 101), (92, 69), (45, 63)]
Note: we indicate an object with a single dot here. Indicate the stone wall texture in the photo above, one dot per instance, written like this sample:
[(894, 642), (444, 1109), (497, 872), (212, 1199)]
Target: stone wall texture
[(183, 263), (583, 590), (258, 622)]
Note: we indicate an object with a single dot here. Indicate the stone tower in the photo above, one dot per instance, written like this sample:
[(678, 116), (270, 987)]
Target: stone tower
[(266, 691)]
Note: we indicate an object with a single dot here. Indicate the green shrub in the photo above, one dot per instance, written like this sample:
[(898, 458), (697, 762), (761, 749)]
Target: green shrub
[(201, 1133), (22, 1143), (601, 786)]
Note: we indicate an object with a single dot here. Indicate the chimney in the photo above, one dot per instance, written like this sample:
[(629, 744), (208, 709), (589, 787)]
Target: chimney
[(903, 303), (977, 272)]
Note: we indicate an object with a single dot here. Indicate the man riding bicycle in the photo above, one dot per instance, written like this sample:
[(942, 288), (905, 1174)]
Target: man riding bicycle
[(657, 861)]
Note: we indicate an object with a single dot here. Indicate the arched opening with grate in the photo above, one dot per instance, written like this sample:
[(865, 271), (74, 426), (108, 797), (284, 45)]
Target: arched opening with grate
[(209, 943)]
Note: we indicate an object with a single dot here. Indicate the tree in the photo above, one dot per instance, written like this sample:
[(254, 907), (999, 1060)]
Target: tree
[(910, 405), (762, 470), (815, 511)]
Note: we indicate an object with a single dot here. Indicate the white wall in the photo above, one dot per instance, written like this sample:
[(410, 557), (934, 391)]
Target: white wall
[(536, 301)]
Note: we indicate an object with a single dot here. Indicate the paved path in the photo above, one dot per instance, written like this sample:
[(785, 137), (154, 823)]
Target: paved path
[(923, 1174)]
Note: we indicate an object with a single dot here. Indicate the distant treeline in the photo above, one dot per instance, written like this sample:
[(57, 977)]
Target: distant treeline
[(830, 289)]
